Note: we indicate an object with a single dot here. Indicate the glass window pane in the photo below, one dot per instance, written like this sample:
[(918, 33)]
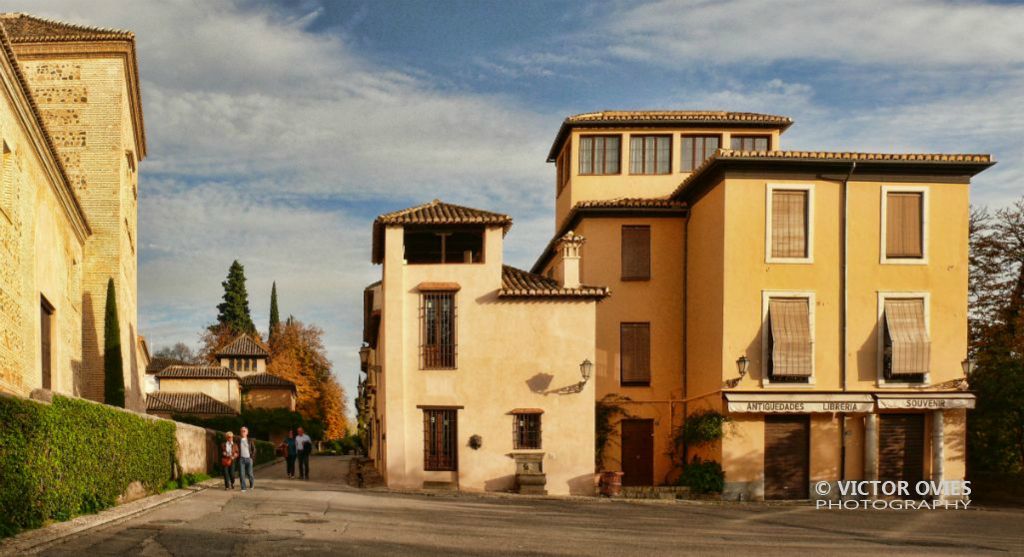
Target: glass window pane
[(664, 154), (636, 147), (598, 155), (612, 148), (586, 148), (687, 146)]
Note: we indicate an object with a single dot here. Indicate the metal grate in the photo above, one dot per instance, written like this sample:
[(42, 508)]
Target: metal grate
[(437, 331), (526, 431), (440, 432)]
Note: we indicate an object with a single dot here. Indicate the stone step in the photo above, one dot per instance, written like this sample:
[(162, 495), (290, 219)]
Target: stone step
[(440, 486), (655, 492)]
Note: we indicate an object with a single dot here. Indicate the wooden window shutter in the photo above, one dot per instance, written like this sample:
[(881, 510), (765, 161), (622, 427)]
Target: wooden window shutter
[(789, 223), (792, 350), (909, 347), (635, 353), (636, 252), (903, 224)]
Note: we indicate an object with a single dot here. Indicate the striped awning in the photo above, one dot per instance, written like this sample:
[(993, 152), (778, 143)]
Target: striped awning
[(910, 346), (792, 350)]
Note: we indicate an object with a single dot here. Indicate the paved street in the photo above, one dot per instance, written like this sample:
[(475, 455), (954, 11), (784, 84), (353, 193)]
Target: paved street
[(324, 516)]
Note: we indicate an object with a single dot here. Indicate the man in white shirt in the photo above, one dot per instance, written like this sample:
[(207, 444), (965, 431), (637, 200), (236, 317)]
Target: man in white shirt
[(304, 446), (246, 454)]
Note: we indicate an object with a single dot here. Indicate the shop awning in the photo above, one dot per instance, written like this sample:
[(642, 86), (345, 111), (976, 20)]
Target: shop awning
[(792, 351), (910, 345), (799, 403), (924, 401)]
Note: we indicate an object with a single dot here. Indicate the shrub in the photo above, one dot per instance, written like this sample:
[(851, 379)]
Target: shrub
[(113, 366), (703, 476), (184, 481), (74, 457), (702, 427)]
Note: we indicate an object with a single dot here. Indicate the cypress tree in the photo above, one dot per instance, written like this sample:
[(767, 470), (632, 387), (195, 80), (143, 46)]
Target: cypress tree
[(233, 312), (113, 366), (275, 317)]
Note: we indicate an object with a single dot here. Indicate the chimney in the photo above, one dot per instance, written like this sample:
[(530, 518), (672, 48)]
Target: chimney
[(569, 248)]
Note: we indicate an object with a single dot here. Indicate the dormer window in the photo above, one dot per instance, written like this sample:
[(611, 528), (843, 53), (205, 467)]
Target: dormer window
[(751, 142), (440, 246)]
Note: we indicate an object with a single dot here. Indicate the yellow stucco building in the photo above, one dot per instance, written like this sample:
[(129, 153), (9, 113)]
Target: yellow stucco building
[(816, 299), (479, 372), (72, 138)]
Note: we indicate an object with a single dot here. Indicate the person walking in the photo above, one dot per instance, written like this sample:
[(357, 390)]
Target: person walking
[(303, 446), (289, 452), (228, 454), (246, 454)]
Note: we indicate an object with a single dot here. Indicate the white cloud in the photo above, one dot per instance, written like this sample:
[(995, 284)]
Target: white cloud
[(886, 32)]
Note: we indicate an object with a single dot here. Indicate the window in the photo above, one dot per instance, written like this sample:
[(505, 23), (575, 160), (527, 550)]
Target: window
[(46, 342), (790, 341), (432, 246), (526, 430), (562, 169), (599, 154), (906, 347), (437, 336), (636, 252), (635, 353), (696, 149), (650, 154), (750, 142), (440, 434), (903, 232), (790, 212)]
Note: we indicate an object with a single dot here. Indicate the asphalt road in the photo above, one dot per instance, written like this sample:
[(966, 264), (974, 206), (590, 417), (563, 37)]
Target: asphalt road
[(324, 516)]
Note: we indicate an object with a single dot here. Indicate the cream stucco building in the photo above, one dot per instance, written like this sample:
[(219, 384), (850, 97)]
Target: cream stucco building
[(71, 139), (478, 372), (816, 299)]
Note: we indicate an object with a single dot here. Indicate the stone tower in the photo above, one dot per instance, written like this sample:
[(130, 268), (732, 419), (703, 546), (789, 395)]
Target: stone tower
[(85, 82)]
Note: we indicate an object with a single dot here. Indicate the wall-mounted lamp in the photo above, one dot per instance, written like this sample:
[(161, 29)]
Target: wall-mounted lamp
[(586, 369), (968, 366), (741, 365), (364, 354)]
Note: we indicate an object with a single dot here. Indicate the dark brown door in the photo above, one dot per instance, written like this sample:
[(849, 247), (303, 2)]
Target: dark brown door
[(45, 336), (637, 452), (901, 447), (786, 457), (440, 432)]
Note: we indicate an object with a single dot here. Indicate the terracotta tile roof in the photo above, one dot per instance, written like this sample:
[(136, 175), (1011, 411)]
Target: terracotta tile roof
[(156, 365), (666, 118), (609, 207), (244, 345), (264, 380), (24, 28), (196, 372), (436, 212), (978, 162), (186, 403), (517, 283)]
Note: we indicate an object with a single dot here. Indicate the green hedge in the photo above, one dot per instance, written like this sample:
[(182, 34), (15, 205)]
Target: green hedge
[(73, 457)]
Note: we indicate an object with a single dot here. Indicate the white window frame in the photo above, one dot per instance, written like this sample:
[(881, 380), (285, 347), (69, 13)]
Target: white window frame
[(882, 257), (766, 332), (880, 357), (770, 189)]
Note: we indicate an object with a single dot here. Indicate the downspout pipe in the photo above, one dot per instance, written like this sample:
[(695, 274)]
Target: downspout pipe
[(843, 337), (686, 310)]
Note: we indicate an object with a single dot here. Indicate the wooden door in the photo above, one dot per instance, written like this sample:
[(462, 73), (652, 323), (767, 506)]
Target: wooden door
[(637, 452), (786, 456), (901, 447)]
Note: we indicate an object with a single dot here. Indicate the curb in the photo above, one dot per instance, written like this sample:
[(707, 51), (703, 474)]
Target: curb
[(33, 541), (36, 540)]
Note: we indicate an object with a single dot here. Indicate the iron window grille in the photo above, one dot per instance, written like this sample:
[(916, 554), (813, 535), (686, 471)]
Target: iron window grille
[(437, 331), (440, 432), (526, 431)]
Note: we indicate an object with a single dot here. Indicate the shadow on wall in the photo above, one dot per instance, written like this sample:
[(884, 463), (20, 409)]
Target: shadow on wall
[(540, 383), (90, 350), (503, 483), (582, 485), (134, 394)]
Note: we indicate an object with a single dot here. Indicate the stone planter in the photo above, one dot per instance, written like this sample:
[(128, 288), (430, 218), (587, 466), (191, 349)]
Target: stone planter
[(611, 484), (530, 477)]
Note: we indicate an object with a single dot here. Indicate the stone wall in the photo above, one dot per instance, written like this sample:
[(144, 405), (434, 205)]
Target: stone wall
[(197, 448)]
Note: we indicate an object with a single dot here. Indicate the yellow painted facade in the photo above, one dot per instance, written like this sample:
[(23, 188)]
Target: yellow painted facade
[(712, 277)]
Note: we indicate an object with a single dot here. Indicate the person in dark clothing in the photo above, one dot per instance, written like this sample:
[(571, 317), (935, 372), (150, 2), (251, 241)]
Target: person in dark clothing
[(290, 452)]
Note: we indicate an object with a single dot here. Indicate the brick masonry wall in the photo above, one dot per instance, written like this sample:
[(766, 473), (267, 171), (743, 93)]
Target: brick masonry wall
[(41, 256), (84, 103)]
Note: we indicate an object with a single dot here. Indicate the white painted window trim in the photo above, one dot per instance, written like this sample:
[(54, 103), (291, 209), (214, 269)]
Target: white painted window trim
[(879, 358), (769, 191), (882, 258), (766, 296)]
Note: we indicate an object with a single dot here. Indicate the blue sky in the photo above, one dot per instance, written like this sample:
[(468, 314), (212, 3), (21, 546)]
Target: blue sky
[(277, 131)]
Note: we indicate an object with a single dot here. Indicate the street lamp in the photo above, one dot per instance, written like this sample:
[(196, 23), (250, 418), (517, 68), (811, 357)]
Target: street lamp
[(741, 365), (586, 368), (968, 366), (364, 355)]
